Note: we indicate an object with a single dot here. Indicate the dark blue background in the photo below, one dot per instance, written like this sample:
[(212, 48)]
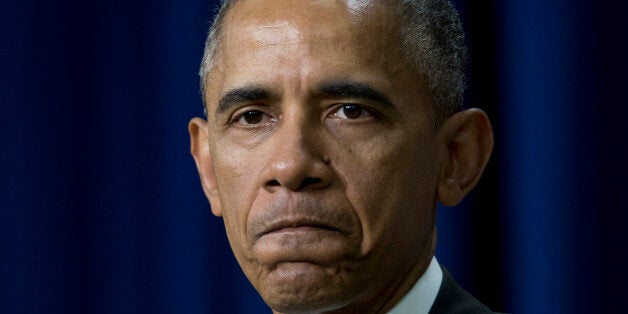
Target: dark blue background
[(101, 210)]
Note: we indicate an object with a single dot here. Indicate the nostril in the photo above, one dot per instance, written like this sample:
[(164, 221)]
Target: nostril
[(306, 183), (310, 182)]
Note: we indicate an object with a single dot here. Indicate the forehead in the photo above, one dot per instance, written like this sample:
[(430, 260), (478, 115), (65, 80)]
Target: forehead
[(274, 42), (302, 13), (255, 23)]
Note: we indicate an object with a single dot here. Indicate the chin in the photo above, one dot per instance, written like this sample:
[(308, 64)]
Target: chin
[(301, 287)]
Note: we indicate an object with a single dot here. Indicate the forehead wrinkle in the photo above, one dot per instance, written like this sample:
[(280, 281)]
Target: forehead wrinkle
[(335, 21)]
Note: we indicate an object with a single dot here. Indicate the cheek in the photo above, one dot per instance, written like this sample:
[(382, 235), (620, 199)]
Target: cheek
[(236, 169), (234, 184), (392, 190), (236, 178)]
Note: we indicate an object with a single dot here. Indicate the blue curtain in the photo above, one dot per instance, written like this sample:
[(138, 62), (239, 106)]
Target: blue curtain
[(101, 209)]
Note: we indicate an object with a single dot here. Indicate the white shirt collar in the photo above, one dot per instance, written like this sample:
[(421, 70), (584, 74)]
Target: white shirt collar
[(421, 297)]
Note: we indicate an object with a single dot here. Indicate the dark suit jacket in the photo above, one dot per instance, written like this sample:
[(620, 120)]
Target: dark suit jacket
[(452, 299)]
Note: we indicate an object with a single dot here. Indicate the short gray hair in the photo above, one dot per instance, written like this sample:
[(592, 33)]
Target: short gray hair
[(432, 39)]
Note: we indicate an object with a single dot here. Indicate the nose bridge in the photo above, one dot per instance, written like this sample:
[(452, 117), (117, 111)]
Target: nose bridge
[(291, 144), (293, 136), (297, 158)]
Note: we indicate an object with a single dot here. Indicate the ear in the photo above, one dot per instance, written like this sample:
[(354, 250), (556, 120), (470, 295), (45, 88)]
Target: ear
[(467, 138), (199, 147)]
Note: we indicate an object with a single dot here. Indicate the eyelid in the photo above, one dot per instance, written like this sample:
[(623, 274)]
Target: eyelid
[(371, 112), (239, 114), (240, 110)]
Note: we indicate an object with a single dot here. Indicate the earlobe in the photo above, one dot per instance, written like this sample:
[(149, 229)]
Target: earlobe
[(467, 141), (199, 147)]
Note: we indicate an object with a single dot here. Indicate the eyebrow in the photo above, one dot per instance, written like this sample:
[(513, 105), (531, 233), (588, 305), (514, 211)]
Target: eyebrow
[(330, 89), (240, 95), (353, 90)]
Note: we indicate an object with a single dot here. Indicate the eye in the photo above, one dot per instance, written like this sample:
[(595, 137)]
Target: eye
[(352, 112), (251, 117)]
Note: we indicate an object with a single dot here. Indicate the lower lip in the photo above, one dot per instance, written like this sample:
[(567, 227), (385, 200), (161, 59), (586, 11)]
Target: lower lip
[(304, 244)]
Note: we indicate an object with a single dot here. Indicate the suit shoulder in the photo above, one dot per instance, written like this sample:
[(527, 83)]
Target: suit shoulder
[(452, 299)]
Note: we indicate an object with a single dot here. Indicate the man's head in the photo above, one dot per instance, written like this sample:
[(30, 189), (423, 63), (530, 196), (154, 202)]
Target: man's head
[(320, 150)]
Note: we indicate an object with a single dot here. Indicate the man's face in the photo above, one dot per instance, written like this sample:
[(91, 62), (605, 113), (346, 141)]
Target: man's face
[(322, 153)]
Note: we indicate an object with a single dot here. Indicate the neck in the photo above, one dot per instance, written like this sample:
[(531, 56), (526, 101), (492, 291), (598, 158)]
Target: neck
[(405, 281)]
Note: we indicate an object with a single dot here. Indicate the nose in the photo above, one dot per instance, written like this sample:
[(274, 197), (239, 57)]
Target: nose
[(297, 160)]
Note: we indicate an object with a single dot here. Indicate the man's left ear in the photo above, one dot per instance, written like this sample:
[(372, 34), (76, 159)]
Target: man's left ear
[(467, 141)]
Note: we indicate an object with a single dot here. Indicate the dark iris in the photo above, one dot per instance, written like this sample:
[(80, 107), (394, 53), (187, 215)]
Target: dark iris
[(352, 111), (253, 117)]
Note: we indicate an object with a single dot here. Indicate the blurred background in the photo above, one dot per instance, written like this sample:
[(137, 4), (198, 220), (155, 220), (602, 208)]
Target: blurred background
[(101, 209)]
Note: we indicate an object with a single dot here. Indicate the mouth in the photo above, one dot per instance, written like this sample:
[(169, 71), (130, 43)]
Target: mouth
[(299, 221), (297, 226), (303, 231), (302, 241)]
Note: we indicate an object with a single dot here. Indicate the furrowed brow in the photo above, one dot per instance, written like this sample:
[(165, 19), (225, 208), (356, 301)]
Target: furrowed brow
[(240, 95), (353, 90)]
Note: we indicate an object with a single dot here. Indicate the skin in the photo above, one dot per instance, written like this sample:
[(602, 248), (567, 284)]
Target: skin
[(328, 193)]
